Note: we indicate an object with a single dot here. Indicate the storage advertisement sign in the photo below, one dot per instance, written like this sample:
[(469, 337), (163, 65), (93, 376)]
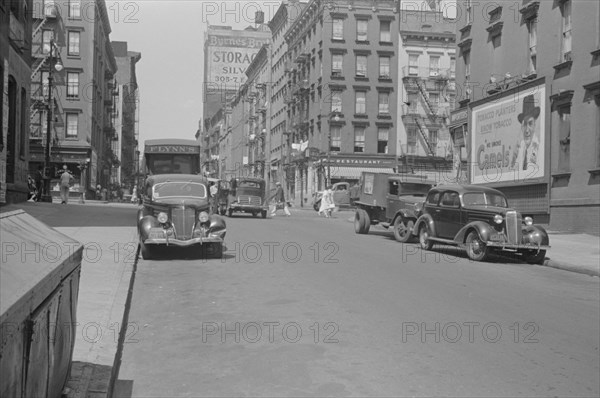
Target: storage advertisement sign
[(229, 55), (508, 140)]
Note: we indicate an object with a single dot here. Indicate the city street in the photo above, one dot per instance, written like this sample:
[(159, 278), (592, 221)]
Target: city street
[(302, 306)]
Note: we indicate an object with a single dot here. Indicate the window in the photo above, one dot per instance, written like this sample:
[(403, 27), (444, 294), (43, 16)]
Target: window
[(413, 64), (337, 64), (469, 9), (467, 59), (336, 101), (74, 9), (566, 31), (411, 140), (433, 139), (433, 198), (44, 82), (72, 125), (564, 136), (434, 65), (47, 36), (338, 29), (72, 85), (336, 138), (434, 100), (452, 68), (532, 28), (73, 43), (49, 8), (361, 65), (383, 135), (361, 29), (385, 31), (412, 102), (384, 67), (450, 199), (361, 102), (359, 139), (384, 103)]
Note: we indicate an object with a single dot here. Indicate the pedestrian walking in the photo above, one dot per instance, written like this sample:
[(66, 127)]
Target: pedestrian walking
[(280, 202), (327, 204), (134, 197), (65, 185), (39, 183)]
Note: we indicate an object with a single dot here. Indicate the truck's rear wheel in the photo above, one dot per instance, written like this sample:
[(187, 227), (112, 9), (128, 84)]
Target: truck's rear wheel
[(403, 229), (362, 222)]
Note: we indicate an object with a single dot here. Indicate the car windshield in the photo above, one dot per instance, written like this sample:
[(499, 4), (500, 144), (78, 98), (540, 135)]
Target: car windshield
[(179, 189), (414, 189), (484, 199)]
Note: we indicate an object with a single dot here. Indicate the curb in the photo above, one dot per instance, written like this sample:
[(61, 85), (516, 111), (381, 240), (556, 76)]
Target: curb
[(571, 268), (548, 262)]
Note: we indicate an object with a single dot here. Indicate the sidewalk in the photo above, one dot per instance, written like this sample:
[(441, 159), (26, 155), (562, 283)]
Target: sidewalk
[(107, 271)]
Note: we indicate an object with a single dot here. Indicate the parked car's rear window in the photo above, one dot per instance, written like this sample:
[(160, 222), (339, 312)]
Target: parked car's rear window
[(248, 184), (484, 199)]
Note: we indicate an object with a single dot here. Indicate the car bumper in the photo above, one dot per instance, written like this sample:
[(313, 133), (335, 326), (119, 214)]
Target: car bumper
[(512, 247), (182, 243), (248, 208)]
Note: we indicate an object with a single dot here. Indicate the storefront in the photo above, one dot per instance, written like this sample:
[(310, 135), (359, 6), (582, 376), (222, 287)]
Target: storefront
[(349, 167)]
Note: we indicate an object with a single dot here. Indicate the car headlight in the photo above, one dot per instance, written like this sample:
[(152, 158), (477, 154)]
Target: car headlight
[(162, 217), (498, 219), (528, 221), (203, 217)]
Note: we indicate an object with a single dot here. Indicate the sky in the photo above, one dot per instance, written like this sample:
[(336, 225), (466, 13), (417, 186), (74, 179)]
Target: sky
[(169, 34)]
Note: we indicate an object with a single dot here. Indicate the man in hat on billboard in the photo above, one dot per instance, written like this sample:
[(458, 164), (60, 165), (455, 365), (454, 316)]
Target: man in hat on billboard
[(525, 153)]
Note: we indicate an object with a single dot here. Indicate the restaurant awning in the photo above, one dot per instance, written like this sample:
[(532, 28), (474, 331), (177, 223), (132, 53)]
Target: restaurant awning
[(354, 172)]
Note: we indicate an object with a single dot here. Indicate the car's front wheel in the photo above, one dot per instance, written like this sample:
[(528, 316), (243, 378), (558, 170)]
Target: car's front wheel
[(229, 212), (477, 250), (403, 229), (424, 234), (263, 214), (534, 256)]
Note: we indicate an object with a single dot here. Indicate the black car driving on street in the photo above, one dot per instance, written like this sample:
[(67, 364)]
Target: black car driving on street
[(175, 212)]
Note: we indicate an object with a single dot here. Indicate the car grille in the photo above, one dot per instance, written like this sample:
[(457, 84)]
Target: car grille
[(513, 227), (249, 200), (183, 221)]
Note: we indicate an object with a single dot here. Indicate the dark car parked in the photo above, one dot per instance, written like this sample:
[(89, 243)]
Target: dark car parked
[(247, 195), (479, 219), (175, 212)]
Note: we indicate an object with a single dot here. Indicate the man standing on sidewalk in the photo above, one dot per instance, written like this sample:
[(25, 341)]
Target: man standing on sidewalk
[(65, 185), (280, 202)]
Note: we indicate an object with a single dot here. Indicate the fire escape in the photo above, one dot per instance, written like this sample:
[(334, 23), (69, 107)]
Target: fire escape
[(49, 18), (425, 80)]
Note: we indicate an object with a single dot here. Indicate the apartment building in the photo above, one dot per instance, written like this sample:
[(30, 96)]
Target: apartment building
[(126, 114), (530, 87), (75, 34), (426, 81), (15, 71), (342, 95)]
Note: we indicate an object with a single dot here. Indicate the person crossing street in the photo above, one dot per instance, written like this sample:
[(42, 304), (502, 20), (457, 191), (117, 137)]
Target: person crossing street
[(280, 202)]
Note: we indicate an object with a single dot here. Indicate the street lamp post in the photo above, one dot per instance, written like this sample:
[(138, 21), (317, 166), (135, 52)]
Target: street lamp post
[(336, 118), (53, 64)]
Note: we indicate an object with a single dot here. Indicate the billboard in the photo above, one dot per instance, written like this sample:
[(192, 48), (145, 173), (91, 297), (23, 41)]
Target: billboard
[(229, 53), (507, 138)]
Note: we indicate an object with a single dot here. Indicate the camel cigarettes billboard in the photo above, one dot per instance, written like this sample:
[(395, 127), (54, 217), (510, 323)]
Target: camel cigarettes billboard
[(507, 138), (229, 53)]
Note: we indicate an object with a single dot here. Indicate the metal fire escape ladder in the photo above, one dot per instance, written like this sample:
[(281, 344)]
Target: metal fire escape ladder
[(423, 131), (423, 91)]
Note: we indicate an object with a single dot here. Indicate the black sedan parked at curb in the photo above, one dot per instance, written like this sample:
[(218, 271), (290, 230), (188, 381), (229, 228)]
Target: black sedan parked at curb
[(478, 219)]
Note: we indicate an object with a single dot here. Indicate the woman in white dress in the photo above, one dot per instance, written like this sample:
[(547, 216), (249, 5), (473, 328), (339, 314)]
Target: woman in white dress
[(327, 204)]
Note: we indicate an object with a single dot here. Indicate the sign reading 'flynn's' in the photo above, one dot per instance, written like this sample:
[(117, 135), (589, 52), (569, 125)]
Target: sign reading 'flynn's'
[(172, 149)]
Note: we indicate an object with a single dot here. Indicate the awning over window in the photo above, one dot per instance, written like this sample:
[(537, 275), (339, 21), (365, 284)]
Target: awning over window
[(354, 172)]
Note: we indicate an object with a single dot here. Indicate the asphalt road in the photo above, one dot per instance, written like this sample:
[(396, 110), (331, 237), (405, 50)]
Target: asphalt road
[(301, 306)]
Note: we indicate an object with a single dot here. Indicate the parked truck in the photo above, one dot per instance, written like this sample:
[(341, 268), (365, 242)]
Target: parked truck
[(391, 201)]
